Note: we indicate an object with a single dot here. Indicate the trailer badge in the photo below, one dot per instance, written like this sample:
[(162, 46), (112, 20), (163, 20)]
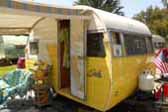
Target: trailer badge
[(94, 73)]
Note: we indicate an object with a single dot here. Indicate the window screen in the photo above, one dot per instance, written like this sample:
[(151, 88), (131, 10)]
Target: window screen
[(95, 46), (116, 44), (135, 45), (34, 48)]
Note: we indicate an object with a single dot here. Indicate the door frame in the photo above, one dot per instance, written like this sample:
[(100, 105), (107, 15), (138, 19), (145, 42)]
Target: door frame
[(85, 57), (59, 51)]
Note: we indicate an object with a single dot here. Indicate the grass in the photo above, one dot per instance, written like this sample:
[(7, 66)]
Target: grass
[(6, 69)]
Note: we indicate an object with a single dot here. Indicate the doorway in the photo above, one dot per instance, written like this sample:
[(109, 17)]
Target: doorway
[(72, 58), (64, 40)]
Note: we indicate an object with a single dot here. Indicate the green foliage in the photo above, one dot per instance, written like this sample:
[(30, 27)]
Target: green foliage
[(156, 19), (12, 52), (107, 5), (6, 69)]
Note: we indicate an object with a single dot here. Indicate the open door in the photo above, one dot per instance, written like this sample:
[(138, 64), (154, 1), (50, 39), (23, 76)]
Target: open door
[(77, 59)]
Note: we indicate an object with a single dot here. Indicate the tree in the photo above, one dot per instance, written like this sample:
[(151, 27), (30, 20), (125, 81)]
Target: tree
[(165, 3), (156, 19), (107, 5)]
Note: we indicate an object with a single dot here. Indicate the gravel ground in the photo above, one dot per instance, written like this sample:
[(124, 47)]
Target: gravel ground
[(61, 104)]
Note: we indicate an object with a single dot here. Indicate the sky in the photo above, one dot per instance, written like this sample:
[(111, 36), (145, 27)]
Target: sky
[(131, 7)]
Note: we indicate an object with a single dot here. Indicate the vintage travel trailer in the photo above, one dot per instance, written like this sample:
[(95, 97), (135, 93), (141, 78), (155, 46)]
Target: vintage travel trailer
[(158, 42), (96, 56)]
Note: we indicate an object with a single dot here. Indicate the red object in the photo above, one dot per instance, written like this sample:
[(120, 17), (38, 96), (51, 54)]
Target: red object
[(21, 63), (165, 89), (158, 94), (165, 50), (161, 60)]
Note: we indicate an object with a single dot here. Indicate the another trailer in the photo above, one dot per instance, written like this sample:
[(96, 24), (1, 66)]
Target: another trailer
[(158, 42)]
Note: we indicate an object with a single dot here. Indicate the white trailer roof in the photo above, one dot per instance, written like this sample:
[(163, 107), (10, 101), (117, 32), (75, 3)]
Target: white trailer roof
[(158, 38), (102, 20)]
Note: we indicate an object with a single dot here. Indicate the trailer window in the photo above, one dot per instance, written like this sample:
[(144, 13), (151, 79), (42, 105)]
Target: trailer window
[(135, 45), (117, 44), (149, 45), (95, 46), (159, 45), (116, 39), (34, 48)]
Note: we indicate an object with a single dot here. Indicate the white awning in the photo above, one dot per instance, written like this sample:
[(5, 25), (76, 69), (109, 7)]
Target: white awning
[(16, 24), (18, 17), (17, 21)]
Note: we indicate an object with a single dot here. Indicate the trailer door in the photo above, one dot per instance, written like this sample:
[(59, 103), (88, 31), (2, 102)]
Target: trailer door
[(77, 59)]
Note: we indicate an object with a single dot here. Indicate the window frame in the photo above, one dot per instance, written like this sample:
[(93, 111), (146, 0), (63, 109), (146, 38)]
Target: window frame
[(120, 35)]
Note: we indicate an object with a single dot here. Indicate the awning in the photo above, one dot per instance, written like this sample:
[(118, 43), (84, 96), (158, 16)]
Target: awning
[(39, 8), (8, 31), (20, 17)]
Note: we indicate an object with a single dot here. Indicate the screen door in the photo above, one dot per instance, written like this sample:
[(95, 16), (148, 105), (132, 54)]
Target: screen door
[(77, 60)]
